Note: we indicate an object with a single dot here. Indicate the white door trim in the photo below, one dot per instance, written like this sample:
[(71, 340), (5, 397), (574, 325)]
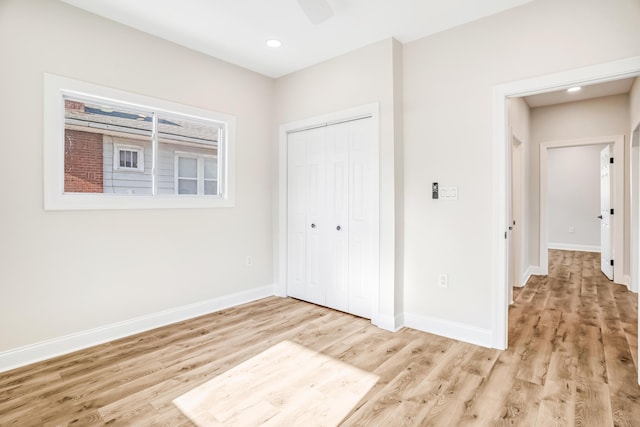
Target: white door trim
[(617, 141), (629, 67), (280, 261), (634, 162)]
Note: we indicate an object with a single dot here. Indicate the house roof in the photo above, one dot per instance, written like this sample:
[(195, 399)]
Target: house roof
[(81, 113)]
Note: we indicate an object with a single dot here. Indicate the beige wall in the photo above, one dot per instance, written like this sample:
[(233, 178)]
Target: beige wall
[(65, 272), (364, 76), (584, 119), (573, 197), (448, 83)]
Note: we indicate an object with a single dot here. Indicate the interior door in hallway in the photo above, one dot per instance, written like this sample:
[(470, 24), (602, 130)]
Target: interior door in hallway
[(606, 256), (515, 215)]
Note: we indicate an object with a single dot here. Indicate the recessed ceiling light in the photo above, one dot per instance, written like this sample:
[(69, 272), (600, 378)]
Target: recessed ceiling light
[(574, 89), (274, 43)]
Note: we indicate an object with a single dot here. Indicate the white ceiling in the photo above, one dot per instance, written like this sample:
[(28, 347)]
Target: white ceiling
[(236, 30), (615, 87)]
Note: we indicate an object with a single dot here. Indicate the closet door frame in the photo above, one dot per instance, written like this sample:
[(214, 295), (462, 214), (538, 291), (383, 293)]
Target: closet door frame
[(369, 111)]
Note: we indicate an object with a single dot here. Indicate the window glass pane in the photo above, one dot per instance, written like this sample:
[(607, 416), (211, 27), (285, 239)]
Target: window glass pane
[(187, 140), (210, 168), (211, 187), (92, 129), (187, 186), (187, 167)]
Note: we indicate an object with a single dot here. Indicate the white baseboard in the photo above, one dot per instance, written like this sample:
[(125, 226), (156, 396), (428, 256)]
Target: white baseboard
[(449, 329), (388, 322), (572, 247), (43, 350), (626, 280)]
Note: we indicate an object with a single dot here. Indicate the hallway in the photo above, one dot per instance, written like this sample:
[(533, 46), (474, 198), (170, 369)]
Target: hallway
[(576, 335)]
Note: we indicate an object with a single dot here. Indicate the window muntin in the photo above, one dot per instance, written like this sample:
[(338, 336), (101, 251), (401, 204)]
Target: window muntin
[(139, 137)]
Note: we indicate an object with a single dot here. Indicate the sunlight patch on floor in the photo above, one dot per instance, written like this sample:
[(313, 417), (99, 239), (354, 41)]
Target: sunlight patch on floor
[(286, 385)]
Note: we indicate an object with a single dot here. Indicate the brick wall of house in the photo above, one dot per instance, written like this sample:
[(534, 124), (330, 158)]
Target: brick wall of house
[(82, 162)]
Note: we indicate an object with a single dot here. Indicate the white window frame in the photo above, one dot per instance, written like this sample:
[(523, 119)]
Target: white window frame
[(117, 148), (200, 170), (57, 87)]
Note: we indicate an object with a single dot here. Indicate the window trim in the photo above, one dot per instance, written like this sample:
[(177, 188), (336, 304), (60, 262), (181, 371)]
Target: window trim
[(56, 87), (117, 147)]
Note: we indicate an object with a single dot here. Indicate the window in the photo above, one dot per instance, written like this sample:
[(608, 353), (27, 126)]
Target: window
[(196, 174), (109, 149), (128, 158)]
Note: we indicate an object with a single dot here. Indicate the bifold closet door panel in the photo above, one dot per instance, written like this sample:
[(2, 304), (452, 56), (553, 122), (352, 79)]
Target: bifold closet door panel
[(317, 221), (296, 215), (363, 258), (307, 222), (337, 160)]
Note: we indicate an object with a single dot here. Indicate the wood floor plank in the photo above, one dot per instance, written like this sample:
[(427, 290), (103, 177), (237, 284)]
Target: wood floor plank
[(557, 407), (572, 361), (536, 353), (593, 407)]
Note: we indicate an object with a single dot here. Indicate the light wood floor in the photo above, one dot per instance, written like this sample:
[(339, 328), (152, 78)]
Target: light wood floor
[(572, 360)]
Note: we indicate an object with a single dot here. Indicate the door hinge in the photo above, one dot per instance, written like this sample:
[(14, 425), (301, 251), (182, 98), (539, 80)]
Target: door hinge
[(611, 262), (611, 160), (505, 234), (611, 211)]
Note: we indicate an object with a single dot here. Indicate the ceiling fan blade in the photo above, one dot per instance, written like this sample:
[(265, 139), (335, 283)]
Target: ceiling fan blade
[(316, 10)]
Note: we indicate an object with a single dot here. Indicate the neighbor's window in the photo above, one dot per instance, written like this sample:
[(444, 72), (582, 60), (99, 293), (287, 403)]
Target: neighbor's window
[(196, 174), (132, 151), (128, 158)]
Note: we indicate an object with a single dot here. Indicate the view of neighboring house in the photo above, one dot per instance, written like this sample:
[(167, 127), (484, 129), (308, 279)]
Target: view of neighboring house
[(109, 149)]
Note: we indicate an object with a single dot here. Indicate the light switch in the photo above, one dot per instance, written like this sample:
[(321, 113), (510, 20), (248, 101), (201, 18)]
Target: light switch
[(449, 193)]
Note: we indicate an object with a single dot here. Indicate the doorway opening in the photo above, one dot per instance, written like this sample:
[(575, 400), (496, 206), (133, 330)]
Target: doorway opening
[(600, 73), (617, 142)]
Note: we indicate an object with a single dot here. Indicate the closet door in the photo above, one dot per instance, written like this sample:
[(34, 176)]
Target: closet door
[(306, 215), (337, 265), (362, 222), (332, 216), (317, 224)]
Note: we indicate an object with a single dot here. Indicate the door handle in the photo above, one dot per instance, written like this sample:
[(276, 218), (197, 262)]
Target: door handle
[(313, 226), (599, 216), (338, 228)]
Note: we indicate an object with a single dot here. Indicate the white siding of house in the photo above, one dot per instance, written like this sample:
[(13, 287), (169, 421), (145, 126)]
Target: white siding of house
[(130, 182), (125, 182)]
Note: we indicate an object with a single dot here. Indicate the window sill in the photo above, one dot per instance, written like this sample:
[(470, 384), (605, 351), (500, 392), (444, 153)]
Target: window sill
[(109, 202)]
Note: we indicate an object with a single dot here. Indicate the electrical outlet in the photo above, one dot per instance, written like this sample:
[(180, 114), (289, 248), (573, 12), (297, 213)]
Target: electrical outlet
[(572, 229), (249, 261), (443, 281)]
